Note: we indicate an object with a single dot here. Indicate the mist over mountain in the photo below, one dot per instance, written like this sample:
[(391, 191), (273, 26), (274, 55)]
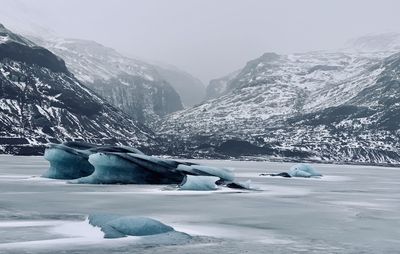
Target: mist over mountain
[(190, 89)]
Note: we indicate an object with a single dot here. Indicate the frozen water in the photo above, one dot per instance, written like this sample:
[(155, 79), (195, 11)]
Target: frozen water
[(89, 164), (112, 169), (69, 160), (199, 183), (223, 173), (118, 168), (117, 226), (303, 170), (352, 209), (67, 163)]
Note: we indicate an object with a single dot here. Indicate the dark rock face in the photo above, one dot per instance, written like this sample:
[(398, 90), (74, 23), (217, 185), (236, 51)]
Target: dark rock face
[(142, 99), (42, 102), (32, 55)]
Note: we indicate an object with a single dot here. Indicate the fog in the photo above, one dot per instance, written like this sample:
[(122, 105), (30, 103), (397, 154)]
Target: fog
[(207, 38)]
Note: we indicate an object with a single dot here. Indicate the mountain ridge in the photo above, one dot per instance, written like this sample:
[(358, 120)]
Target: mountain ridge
[(41, 102), (320, 106)]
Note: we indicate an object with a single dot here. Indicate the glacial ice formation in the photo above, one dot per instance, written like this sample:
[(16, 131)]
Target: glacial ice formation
[(298, 170), (92, 164), (113, 168), (199, 183), (68, 160), (223, 173), (303, 170), (117, 226)]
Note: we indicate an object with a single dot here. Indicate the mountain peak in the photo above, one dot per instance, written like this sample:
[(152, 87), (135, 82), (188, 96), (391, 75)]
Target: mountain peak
[(269, 56), (7, 36)]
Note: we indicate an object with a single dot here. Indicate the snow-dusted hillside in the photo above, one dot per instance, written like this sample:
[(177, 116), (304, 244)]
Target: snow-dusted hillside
[(329, 106), (131, 85), (41, 102), (218, 87)]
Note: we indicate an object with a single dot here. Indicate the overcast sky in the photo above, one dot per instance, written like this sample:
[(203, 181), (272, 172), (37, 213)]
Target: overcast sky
[(211, 38)]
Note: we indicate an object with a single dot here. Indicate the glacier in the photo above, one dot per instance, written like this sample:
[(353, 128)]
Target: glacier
[(199, 183), (117, 226)]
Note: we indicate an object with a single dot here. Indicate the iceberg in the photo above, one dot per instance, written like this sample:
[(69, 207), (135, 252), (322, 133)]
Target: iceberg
[(303, 170), (199, 183), (298, 170), (118, 168), (68, 160), (223, 173), (86, 163), (117, 226), (130, 168)]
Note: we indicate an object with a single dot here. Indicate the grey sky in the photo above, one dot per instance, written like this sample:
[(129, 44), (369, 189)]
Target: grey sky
[(210, 38)]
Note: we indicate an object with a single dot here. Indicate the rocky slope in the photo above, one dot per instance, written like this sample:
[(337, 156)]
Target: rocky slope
[(41, 102), (131, 85), (320, 106), (218, 87)]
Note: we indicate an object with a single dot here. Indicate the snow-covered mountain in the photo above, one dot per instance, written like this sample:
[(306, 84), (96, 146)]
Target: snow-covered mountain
[(218, 87), (41, 102), (131, 85), (323, 106)]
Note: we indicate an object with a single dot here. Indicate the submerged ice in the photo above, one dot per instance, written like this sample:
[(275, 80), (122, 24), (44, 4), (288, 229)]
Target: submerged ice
[(117, 226)]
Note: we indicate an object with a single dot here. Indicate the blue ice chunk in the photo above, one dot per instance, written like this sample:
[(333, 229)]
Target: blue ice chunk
[(66, 162), (116, 226), (303, 170), (119, 168), (223, 173), (199, 183), (69, 160)]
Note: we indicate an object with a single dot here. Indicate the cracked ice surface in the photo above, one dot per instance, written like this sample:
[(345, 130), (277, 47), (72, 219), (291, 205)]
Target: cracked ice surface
[(352, 209)]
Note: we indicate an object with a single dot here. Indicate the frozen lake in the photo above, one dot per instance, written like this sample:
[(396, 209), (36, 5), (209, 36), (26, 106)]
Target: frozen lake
[(352, 209)]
